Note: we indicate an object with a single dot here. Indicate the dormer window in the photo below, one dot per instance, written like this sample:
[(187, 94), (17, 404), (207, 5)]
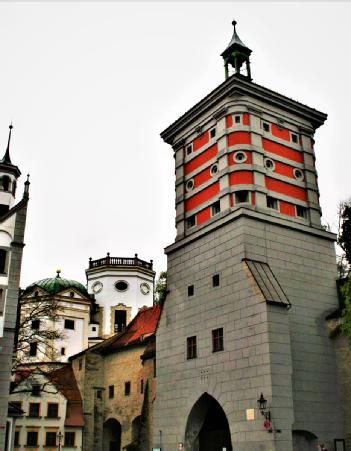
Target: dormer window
[(71, 294)]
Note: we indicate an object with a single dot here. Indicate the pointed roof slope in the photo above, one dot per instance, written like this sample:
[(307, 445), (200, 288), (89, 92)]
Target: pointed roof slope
[(235, 42), (5, 163)]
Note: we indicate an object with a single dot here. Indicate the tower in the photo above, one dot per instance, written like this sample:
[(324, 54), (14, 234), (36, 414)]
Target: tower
[(251, 277), (12, 226), (121, 286)]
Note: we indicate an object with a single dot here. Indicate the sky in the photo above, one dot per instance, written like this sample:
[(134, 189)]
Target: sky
[(90, 86)]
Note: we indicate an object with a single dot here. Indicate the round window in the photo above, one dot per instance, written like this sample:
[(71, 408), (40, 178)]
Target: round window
[(189, 185), (240, 157), (298, 174), (145, 288), (121, 285), (97, 287), (214, 169), (269, 164)]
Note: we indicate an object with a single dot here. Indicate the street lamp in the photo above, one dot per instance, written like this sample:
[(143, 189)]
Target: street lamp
[(59, 436), (262, 407)]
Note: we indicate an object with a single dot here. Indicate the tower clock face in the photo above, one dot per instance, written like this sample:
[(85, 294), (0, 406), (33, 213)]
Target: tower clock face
[(145, 288), (97, 287)]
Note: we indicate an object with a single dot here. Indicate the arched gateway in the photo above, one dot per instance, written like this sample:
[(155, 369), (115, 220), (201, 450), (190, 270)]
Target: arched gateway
[(207, 428), (112, 435)]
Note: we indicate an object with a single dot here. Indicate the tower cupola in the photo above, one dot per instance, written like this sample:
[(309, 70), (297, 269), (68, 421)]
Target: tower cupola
[(236, 54), (9, 174)]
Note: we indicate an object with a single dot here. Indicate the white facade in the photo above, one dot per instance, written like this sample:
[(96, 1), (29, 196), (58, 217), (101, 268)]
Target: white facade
[(120, 284)]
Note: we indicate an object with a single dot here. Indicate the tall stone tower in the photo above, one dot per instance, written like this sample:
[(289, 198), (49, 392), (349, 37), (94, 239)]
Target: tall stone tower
[(12, 226), (251, 277)]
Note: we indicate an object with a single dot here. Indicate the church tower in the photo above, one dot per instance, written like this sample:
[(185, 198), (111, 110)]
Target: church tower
[(12, 226), (251, 277)]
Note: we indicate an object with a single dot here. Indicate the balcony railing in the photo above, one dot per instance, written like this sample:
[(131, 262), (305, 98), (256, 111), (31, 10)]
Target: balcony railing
[(120, 261)]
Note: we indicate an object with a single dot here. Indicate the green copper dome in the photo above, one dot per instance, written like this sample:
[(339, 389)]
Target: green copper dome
[(57, 284)]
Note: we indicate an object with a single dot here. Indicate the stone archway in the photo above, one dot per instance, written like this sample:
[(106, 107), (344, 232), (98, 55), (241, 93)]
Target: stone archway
[(207, 428), (304, 440), (112, 435)]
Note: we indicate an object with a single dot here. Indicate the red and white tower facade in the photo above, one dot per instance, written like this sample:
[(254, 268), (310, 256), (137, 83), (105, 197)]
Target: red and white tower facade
[(251, 277)]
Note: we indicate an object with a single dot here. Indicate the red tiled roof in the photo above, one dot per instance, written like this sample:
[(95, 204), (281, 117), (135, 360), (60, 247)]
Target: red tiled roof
[(142, 326)]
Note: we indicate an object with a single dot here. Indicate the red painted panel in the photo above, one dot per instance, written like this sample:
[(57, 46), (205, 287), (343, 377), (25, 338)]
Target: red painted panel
[(252, 198), (246, 119), (284, 169), (281, 150), (231, 160), (203, 215), (241, 178), (239, 138), (200, 160), (201, 140), (281, 133), (202, 196), (229, 121), (286, 208), (202, 177), (286, 188)]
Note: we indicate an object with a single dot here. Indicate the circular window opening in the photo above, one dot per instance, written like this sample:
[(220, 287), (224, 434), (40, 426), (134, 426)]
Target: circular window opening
[(240, 157), (214, 169), (269, 164), (189, 185), (298, 174), (121, 285)]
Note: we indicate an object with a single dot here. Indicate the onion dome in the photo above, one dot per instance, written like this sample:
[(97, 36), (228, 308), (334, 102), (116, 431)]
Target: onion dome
[(55, 285)]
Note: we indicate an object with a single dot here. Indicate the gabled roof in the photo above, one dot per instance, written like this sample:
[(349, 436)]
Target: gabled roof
[(267, 283)]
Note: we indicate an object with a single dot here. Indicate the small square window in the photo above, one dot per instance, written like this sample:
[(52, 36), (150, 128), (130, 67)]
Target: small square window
[(69, 324), (272, 203), (294, 138), (241, 197), (52, 410), (191, 290), (266, 127), (215, 280), (35, 390), (189, 149), (16, 439), (301, 212), (217, 340), (93, 329), (34, 409), (237, 119), (33, 348), (191, 221), (212, 132), (63, 351), (191, 351), (69, 438), (127, 388), (50, 439), (32, 438), (99, 394), (216, 208), (111, 391), (35, 324)]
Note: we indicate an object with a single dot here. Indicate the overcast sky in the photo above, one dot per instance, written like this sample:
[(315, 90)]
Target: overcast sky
[(89, 87)]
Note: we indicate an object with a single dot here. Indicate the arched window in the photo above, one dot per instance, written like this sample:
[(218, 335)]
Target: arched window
[(2, 261), (5, 182)]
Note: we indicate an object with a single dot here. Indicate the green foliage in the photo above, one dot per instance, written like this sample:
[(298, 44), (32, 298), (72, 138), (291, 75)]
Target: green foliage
[(161, 288), (344, 238), (346, 314)]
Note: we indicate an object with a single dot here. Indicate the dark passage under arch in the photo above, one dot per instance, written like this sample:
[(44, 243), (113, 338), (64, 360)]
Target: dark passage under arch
[(207, 428)]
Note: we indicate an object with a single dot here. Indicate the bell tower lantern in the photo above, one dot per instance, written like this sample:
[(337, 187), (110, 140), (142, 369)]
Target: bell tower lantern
[(237, 54)]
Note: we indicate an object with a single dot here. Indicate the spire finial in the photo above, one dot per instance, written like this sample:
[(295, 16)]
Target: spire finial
[(58, 271), (234, 23), (6, 158)]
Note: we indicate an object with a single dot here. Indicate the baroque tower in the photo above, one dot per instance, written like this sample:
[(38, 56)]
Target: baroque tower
[(251, 277), (12, 226)]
